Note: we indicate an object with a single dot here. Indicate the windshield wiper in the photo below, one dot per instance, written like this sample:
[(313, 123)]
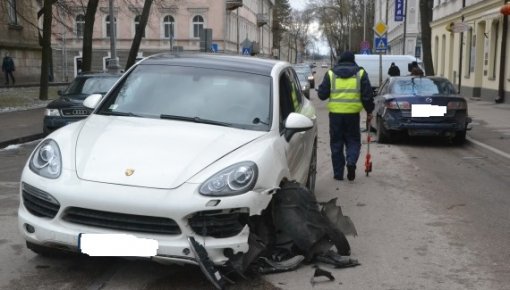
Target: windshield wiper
[(124, 114), (195, 119)]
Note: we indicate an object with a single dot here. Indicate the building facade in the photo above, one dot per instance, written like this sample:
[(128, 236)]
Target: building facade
[(468, 47), (19, 38), (174, 25), (403, 35)]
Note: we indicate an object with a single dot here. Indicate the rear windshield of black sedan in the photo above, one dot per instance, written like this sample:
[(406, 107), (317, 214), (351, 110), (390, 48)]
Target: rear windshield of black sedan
[(211, 96), (422, 86)]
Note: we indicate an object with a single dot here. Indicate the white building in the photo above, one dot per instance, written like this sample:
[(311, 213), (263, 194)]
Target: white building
[(409, 28), (172, 25)]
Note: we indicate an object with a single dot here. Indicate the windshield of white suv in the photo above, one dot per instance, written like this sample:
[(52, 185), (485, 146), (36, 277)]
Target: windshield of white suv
[(192, 94)]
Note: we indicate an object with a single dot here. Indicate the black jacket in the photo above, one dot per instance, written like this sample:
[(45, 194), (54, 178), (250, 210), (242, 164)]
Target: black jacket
[(394, 71), (347, 70)]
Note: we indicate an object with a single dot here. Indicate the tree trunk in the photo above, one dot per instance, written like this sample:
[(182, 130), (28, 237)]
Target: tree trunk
[(46, 50), (88, 29), (426, 35), (135, 46)]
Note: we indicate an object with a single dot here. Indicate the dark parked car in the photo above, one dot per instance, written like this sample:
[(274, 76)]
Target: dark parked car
[(305, 68), (304, 83), (420, 106), (69, 108)]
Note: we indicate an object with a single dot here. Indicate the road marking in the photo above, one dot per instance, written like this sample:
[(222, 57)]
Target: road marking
[(490, 148)]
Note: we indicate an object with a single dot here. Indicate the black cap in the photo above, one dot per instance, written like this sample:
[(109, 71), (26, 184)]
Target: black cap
[(347, 56)]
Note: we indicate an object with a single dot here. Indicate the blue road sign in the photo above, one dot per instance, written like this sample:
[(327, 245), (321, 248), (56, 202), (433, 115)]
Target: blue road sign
[(381, 44), (365, 51), (214, 47), (399, 10), (246, 51)]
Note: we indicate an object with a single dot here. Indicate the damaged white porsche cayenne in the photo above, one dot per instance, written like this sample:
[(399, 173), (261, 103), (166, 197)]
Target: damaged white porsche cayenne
[(188, 151)]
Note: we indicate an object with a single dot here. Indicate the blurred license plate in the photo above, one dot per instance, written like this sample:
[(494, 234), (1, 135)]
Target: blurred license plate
[(119, 245), (427, 110)]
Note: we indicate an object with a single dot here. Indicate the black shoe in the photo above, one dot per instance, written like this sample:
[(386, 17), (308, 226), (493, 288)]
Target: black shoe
[(351, 172), (338, 178)]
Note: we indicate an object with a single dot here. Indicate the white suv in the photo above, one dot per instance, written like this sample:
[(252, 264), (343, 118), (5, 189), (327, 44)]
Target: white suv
[(183, 148)]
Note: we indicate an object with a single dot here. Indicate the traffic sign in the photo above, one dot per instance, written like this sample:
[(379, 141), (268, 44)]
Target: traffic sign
[(364, 45), (380, 28), (399, 10), (381, 44), (365, 51), (246, 51)]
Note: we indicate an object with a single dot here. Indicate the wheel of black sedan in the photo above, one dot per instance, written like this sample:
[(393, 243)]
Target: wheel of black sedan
[(382, 134), (460, 138)]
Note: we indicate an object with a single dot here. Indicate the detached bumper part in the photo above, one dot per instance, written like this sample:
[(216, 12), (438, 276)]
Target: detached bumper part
[(206, 265)]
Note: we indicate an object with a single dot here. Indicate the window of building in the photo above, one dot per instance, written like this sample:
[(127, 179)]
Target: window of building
[(443, 54), (198, 26), (169, 26), (436, 51), (80, 24), (11, 11), (137, 24), (493, 49), (107, 21), (468, 53)]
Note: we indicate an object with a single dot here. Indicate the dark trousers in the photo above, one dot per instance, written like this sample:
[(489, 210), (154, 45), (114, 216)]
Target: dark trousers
[(7, 74), (344, 134)]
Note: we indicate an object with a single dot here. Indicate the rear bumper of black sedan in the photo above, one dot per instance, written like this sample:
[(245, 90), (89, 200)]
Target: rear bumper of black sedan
[(431, 126)]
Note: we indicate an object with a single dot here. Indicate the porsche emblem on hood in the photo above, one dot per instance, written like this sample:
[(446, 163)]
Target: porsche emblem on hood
[(129, 172)]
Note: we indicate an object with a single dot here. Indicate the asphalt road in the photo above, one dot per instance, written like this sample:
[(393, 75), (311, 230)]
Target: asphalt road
[(430, 216)]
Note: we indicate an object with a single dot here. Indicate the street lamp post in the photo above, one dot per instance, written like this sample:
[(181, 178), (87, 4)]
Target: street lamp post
[(113, 65)]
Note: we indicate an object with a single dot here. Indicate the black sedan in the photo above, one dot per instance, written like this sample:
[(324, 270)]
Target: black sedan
[(68, 108), (420, 106)]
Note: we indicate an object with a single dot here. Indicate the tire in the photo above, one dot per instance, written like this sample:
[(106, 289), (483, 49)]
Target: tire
[(460, 138), (383, 135), (312, 170)]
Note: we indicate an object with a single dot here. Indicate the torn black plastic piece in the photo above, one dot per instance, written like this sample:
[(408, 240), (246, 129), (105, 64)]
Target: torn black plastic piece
[(334, 214), (320, 273), (206, 265), (268, 266), (338, 261)]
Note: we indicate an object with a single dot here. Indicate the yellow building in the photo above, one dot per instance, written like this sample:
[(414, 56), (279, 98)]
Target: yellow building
[(469, 45)]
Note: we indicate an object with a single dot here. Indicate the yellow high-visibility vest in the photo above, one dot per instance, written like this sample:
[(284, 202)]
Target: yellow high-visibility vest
[(345, 95)]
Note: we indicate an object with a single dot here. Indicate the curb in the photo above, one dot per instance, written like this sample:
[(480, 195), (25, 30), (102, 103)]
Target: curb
[(22, 140)]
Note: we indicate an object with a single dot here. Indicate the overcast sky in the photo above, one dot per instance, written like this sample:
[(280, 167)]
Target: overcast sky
[(298, 4)]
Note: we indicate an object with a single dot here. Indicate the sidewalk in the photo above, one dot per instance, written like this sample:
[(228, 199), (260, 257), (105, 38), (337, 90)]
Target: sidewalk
[(491, 125), (21, 126)]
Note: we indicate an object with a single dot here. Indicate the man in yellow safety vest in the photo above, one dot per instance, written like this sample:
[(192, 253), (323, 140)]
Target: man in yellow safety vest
[(347, 88)]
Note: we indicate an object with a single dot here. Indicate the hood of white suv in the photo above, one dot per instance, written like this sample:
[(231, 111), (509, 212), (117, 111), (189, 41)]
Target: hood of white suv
[(151, 152)]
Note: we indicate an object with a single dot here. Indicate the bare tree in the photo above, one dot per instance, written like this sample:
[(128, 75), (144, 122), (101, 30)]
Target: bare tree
[(135, 45), (426, 35), (88, 29), (281, 18), (298, 29), (46, 49)]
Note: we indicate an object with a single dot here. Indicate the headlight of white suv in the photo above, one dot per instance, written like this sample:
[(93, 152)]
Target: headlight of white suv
[(47, 160), (52, 112), (235, 179)]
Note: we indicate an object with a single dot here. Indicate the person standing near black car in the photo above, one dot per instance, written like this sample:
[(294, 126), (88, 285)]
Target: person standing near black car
[(394, 70), (8, 68), (347, 88)]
